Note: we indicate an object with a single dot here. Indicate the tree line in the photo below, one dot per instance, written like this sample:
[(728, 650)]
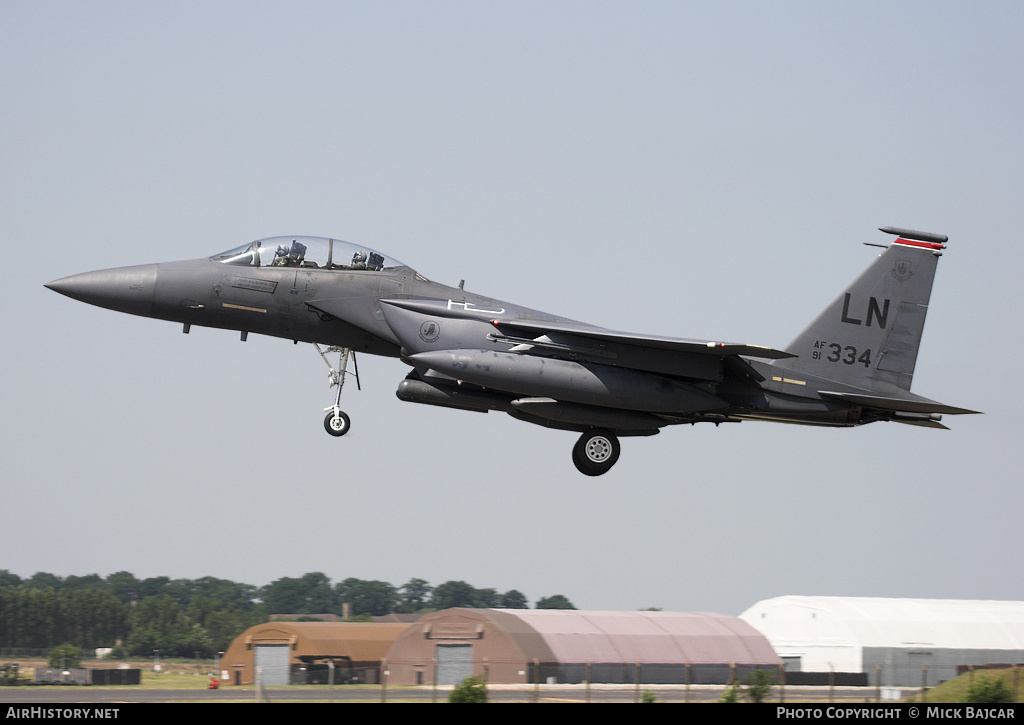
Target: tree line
[(200, 617)]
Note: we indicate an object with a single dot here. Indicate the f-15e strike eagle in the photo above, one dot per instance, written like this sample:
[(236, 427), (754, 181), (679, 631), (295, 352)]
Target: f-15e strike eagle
[(852, 365)]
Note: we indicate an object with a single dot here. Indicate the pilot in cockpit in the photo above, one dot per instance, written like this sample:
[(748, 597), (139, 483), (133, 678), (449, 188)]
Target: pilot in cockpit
[(280, 257), (358, 260)]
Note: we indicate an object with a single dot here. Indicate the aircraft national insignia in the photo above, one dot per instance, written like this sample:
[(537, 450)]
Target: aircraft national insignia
[(430, 331), (901, 270)]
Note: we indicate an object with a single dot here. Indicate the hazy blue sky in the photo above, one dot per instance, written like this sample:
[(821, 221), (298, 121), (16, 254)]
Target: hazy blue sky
[(695, 169)]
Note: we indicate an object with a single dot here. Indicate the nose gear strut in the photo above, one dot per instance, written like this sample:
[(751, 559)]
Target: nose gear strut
[(337, 422)]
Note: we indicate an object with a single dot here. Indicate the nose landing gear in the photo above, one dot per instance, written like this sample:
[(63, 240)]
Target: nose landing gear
[(337, 422)]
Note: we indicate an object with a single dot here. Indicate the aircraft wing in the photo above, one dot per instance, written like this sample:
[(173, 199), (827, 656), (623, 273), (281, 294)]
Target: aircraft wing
[(697, 359), (535, 329)]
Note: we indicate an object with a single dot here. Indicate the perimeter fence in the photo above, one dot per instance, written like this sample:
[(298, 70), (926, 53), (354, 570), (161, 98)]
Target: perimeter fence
[(537, 680)]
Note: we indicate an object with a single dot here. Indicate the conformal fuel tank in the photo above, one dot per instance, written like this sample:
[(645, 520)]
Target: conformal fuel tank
[(588, 383)]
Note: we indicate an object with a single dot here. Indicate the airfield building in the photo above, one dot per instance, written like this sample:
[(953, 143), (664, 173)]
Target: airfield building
[(894, 642), (571, 646), (298, 652)]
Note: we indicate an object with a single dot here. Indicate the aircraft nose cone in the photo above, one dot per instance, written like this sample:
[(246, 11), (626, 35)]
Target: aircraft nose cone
[(125, 289)]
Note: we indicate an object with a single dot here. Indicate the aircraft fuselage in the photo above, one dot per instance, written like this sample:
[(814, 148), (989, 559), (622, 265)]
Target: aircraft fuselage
[(851, 366)]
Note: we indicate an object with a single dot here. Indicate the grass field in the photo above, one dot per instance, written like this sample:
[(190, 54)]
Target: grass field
[(173, 675), (956, 690)]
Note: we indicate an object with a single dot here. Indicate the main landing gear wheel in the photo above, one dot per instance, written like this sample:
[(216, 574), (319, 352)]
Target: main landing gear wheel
[(337, 423), (595, 452)]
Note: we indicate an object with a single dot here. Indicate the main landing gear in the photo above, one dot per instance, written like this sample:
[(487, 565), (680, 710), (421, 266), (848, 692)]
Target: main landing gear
[(595, 452), (337, 422)]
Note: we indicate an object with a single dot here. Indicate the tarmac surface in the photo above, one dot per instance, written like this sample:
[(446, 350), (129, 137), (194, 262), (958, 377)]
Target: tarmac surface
[(43, 695)]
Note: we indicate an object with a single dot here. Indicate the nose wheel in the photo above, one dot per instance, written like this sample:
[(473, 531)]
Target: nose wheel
[(595, 452), (337, 422)]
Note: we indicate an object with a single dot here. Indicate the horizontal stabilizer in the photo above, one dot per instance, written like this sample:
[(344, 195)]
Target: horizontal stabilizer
[(897, 405), (923, 423)]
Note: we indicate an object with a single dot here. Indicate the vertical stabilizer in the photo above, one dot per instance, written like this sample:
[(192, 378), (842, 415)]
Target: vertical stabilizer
[(870, 334)]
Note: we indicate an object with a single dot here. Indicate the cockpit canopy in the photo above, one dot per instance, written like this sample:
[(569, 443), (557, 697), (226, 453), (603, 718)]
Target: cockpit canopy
[(308, 252)]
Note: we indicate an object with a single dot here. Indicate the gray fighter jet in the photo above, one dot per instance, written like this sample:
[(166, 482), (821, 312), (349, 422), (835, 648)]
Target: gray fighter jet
[(852, 365)]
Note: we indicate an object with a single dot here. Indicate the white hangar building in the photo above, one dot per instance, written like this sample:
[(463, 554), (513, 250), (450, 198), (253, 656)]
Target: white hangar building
[(902, 642)]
